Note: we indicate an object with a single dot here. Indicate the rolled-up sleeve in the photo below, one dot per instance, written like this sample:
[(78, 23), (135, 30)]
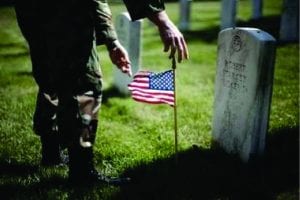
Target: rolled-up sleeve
[(139, 9), (104, 28)]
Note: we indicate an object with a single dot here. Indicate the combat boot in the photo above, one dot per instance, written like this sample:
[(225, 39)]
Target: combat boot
[(52, 153), (82, 170)]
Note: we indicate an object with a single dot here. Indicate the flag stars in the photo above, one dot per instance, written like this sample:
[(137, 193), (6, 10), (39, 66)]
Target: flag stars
[(161, 81)]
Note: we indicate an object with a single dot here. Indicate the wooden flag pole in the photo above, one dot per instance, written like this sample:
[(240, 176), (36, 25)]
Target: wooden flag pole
[(175, 109)]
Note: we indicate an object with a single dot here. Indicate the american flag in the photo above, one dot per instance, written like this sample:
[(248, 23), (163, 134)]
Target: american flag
[(155, 88)]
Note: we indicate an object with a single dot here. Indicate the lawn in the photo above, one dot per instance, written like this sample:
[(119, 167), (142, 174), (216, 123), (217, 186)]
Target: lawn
[(137, 140)]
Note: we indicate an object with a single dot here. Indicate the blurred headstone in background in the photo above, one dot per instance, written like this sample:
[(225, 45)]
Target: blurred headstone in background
[(228, 13), (129, 34), (289, 28), (243, 90), (257, 9), (185, 9)]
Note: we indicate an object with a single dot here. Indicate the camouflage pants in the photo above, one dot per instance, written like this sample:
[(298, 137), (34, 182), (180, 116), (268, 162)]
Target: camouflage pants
[(65, 66), (74, 118), (69, 97)]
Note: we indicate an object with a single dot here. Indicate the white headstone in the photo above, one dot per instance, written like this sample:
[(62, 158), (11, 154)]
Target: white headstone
[(243, 90), (289, 28), (185, 8), (129, 34), (228, 13), (257, 8)]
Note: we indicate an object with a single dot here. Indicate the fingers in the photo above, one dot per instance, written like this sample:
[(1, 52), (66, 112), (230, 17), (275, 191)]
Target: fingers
[(166, 46), (126, 69), (179, 50), (182, 50), (120, 58), (185, 49), (124, 65), (173, 48), (178, 45), (174, 42)]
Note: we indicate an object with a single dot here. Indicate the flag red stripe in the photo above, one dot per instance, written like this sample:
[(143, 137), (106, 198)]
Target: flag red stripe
[(138, 85), (141, 80)]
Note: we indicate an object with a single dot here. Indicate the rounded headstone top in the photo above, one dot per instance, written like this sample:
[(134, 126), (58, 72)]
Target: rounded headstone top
[(254, 32)]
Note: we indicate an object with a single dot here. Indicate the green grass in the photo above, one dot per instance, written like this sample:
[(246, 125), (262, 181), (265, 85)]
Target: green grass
[(135, 139)]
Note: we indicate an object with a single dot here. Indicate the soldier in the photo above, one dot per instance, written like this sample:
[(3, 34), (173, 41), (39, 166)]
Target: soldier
[(62, 37)]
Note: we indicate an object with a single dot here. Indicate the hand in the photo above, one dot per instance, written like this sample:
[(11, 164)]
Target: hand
[(119, 57), (170, 35)]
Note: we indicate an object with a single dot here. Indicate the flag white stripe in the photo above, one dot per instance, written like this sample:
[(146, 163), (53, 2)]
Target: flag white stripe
[(150, 90), (142, 79), (152, 100), (159, 96), (144, 74)]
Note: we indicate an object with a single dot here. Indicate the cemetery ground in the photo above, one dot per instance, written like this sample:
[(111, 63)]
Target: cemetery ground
[(136, 140)]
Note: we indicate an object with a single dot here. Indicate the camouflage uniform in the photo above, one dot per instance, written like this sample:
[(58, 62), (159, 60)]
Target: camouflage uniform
[(62, 37)]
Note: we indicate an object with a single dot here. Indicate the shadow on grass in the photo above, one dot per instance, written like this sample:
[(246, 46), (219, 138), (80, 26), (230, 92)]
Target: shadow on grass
[(270, 24), (32, 186), (19, 50), (212, 174), (14, 55), (199, 174), (24, 73), (110, 93), (17, 169)]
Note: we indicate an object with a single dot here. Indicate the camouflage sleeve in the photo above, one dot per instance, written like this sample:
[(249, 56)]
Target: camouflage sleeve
[(143, 8), (105, 32)]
